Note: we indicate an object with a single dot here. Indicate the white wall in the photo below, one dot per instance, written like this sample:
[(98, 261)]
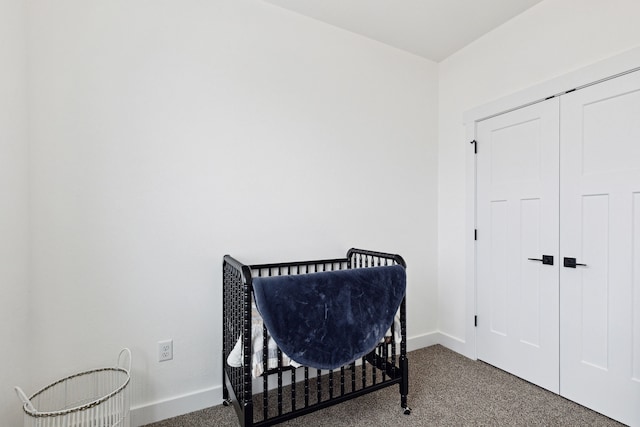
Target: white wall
[(14, 309), (547, 41), (165, 134)]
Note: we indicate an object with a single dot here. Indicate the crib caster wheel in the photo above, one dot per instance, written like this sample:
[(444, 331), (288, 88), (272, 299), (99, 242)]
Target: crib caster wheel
[(407, 411), (226, 402)]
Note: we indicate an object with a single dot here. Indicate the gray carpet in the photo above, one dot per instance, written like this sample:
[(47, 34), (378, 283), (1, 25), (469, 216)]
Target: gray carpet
[(445, 389)]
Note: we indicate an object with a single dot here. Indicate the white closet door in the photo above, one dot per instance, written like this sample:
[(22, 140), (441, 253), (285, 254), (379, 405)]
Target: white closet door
[(517, 219), (600, 227)]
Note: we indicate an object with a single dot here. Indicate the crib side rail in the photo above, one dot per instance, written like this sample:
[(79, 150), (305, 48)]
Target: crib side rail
[(236, 318), (298, 267), (356, 258), (359, 258)]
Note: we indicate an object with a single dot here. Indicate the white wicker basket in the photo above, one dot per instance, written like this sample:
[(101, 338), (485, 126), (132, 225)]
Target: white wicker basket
[(96, 398)]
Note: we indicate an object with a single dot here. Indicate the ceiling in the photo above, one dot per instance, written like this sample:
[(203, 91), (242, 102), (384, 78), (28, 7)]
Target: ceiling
[(433, 29)]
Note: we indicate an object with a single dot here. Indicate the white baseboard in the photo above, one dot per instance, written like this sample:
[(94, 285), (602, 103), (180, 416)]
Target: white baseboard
[(455, 344), (421, 341), (175, 406), (180, 405)]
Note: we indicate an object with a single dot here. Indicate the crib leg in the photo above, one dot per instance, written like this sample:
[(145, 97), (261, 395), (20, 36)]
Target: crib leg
[(226, 400), (225, 391), (226, 397), (404, 384)]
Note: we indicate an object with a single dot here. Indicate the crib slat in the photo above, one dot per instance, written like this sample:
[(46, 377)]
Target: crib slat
[(279, 382), (306, 387), (319, 385), (293, 390), (373, 375), (393, 344), (331, 384), (265, 377), (385, 356), (353, 376)]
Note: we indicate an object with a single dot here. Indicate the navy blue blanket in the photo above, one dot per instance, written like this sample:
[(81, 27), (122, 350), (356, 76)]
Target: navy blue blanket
[(329, 319)]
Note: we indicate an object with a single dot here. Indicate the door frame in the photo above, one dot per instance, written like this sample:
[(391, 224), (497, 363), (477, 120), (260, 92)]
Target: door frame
[(606, 69)]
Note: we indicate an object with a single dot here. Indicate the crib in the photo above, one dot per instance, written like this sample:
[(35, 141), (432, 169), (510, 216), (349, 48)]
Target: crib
[(275, 390)]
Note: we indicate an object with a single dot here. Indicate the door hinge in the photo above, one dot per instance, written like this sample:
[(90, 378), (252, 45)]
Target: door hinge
[(475, 321), (475, 234), (475, 146)]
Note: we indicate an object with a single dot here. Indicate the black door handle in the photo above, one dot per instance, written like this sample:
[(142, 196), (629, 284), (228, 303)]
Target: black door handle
[(571, 263), (546, 259)]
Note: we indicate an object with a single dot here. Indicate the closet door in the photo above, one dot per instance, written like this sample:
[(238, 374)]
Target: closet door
[(600, 229), (517, 221)]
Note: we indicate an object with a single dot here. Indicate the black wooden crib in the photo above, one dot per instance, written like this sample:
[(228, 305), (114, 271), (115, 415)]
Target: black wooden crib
[(261, 381)]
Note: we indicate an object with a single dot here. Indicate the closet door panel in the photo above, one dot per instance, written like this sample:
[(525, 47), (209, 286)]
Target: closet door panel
[(518, 219), (599, 303)]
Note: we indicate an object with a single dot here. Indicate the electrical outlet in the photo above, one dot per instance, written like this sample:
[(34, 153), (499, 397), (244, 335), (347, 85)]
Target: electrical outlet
[(165, 350)]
